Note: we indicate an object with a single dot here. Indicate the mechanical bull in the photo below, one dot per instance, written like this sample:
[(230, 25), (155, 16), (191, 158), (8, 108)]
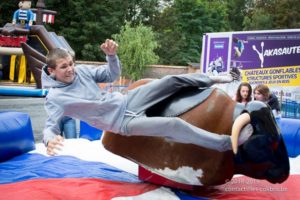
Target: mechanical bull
[(262, 156)]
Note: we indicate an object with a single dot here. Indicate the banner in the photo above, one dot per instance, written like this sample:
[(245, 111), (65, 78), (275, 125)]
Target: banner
[(258, 57)]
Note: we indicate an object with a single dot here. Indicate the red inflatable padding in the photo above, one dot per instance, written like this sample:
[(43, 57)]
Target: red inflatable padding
[(148, 176), (8, 41), (72, 188)]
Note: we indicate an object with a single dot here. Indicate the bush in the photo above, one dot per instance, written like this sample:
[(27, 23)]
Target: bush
[(136, 50)]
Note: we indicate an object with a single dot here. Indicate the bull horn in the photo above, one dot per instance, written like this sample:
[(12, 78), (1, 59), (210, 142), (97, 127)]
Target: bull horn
[(238, 124)]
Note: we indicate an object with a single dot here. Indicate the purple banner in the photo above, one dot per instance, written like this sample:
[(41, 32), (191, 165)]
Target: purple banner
[(218, 56), (265, 50)]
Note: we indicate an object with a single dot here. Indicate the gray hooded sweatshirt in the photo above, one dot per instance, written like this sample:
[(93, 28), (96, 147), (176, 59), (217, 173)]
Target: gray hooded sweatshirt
[(84, 99)]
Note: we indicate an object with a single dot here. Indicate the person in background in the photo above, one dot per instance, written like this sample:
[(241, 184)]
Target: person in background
[(262, 93), (68, 127), (243, 93)]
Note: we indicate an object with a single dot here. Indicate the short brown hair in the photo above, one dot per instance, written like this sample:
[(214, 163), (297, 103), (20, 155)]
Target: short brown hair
[(56, 54)]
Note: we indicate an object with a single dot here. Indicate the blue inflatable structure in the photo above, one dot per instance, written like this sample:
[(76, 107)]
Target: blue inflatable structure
[(16, 136), (89, 132), (22, 91), (290, 130)]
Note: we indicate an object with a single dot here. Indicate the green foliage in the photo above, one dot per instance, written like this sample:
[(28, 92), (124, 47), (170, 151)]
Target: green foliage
[(136, 49), (236, 12), (86, 24), (287, 14), (259, 21), (181, 27), (7, 9), (141, 11), (272, 14)]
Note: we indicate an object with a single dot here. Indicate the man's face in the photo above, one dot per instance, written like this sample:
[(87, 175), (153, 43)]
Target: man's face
[(64, 71)]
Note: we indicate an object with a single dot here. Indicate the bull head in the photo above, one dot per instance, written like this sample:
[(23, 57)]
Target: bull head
[(265, 150)]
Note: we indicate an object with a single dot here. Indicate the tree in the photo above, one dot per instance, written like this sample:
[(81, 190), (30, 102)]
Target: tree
[(259, 15), (181, 26), (287, 14), (86, 23), (236, 12), (170, 37), (272, 14), (136, 49), (7, 9), (141, 11), (260, 20)]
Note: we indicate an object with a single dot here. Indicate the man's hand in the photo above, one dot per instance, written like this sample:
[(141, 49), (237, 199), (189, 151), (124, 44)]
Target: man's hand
[(109, 47), (55, 145)]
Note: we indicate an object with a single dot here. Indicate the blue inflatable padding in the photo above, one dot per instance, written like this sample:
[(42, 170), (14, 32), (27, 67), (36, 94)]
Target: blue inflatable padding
[(22, 91), (89, 132), (290, 130), (35, 166), (16, 136)]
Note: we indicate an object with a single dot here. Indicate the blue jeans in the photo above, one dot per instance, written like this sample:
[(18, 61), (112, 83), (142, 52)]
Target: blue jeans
[(68, 127)]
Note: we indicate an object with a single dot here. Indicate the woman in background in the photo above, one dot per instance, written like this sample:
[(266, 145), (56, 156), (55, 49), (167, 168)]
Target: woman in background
[(262, 93), (243, 93)]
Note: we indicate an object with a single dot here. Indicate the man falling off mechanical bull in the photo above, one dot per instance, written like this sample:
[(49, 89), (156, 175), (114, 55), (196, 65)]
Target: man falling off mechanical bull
[(75, 92)]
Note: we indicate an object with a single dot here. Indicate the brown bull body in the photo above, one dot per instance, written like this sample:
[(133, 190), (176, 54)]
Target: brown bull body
[(215, 114), (262, 156)]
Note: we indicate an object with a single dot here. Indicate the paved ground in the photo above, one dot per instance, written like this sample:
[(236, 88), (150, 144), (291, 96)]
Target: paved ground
[(31, 105)]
